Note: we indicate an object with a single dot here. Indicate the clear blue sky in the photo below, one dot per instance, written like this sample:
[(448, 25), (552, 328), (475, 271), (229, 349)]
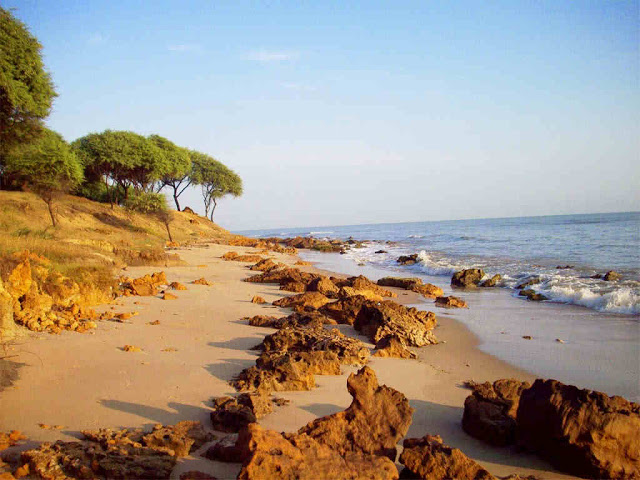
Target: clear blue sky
[(365, 112)]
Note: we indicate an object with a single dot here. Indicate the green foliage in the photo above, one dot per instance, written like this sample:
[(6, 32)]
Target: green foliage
[(178, 166), (26, 89), (146, 202), (215, 179)]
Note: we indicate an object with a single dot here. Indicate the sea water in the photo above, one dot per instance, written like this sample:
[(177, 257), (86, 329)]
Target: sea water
[(597, 321)]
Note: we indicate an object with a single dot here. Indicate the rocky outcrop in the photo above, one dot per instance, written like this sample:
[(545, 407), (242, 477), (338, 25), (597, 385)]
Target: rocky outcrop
[(264, 265), (413, 284), (532, 295), (144, 286), (123, 454), (257, 299), (429, 459), (451, 302), (7, 325), (346, 292), (408, 259), (303, 319), (325, 286), (363, 284), (611, 276), (283, 276), (297, 456), (490, 411), (491, 282), (582, 432), (202, 281), (177, 286), (307, 299), (234, 414), (241, 258), (528, 283), (345, 310), (296, 287), (393, 347), (376, 420), (377, 320), (470, 277)]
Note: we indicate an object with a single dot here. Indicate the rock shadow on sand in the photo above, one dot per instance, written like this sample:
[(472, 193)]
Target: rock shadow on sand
[(176, 412), (240, 343), (228, 368), (322, 409)]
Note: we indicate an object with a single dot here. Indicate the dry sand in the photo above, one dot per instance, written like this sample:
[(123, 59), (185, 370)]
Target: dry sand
[(86, 381)]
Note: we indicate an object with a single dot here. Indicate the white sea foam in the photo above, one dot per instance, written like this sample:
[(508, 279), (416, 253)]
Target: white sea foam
[(320, 233), (431, 265)]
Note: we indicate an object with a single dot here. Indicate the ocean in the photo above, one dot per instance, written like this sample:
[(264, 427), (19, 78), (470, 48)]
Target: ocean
[(516, 248), (587, 333)]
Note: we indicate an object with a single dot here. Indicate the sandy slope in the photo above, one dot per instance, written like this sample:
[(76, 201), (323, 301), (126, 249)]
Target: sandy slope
[(83, 381)]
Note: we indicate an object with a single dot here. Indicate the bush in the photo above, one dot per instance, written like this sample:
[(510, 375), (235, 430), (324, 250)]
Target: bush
[(146, 202)]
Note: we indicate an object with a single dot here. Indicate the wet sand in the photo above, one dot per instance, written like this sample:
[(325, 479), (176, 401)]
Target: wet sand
[(86, 381)]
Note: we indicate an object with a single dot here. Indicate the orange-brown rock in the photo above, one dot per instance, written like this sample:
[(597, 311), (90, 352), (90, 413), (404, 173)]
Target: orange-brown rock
[(490, 411), (470, 277), (304, 319), (302, 263), (264, 265), (429, 459), (283, 276), (491, 282), (350, 351), (241, 258), (177, 286), (259, 300), (7, 325), (296, 287), (408, 259), (346, 292), (281, 371), (10, 439), (169, 296), (345, 310), (325, 286), (362, 283), (413, 284), (229, 255), (307, 299), (172, 245), (271, 454), (234, 414), (131, 348), (451, 302), (376, 420), (377, 320), (202, 281), (19, 281), (393, 347), (196, 475), (582, 432)]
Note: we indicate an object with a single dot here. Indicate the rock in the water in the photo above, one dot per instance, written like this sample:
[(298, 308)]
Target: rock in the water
[(470, 277), (490, 412), (429, 459), (233, 414), (376, 420), (533, 296), (377, 320), (307, 299), (274, 455), (582, 432), (611, 276), (529, 283), (491, 282), (393, 347), (451, 302), (408, 259)]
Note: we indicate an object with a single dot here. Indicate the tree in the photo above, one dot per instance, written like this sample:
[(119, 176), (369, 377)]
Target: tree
[(47, 166), (178, 167), (215, 179), (26, 89), (121, 159)]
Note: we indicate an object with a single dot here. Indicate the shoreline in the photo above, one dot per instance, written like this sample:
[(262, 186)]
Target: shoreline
[(85, 381)]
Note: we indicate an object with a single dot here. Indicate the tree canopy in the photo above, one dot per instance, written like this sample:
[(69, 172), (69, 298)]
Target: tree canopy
[(177, 173), (26, 89), (215, 179)]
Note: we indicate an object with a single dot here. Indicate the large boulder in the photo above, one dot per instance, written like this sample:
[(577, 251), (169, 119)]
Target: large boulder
[(325, 286), (582, 432), (470, 277), (408, 259), (271, 454), (282, 276), (264, 265), (429, 459), (376, 420), (234, 414), (346, 292), (345, 310), (451, 302), (393, 346), (309, 319), (414, 327), (491, 282), (490, 411), (306, 299), (362, 283)]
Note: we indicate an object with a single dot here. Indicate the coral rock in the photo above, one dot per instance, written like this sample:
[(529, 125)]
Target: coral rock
[(307, 299), (451, 302), (393, 347)]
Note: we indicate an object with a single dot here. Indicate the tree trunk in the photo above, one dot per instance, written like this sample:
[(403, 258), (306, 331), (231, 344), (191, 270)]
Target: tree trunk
[(215, 204), (175, 198), (168, 231), (50, 207)]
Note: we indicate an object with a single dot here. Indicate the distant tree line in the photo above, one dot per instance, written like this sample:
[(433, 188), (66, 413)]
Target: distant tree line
[(117, 167)]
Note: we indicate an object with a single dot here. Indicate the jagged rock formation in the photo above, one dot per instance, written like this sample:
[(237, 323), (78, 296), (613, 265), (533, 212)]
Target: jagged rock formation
[(470, 277), (413, 284)]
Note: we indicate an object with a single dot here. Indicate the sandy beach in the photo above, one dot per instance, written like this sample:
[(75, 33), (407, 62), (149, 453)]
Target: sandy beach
[(86, 381)]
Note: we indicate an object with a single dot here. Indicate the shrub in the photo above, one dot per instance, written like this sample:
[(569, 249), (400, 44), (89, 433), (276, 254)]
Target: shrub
[(146, 202)]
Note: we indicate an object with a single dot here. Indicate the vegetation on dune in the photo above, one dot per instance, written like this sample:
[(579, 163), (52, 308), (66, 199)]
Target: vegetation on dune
[(215, 179)]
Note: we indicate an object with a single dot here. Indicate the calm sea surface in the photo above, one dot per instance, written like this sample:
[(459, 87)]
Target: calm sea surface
[(516, 248)]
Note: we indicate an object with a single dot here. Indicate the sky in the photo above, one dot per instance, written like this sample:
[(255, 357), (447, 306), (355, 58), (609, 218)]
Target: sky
[(338, 113)]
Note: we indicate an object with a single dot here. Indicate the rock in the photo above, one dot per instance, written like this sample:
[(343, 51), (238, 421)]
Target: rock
[(10, 439), (491, 282), (307, 299), (177, 440), (348, 350), (294, 456), (408, 259), (564, 267), (19, 281), (188, 210), (229, 255), (233, 414), (581, 432), (202, 281), (264, 265), (451, 302), (528, 283), (296, 287), (278, 371), (527, 337), (258, 300), (533, 296), (413, 284), (362, 284), (306, 319), (146, 285), (283, 276), (346, 292), (177, 286), (302, 263), (345, 310), (429, 459), (611, 276), (376, 420), (381, 251), (229, 449), (377, 320), (131, 348), (196, 475), (325, 286), (7, 325), (393, 347), (168, 296), (490, 411), (470, 277)]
